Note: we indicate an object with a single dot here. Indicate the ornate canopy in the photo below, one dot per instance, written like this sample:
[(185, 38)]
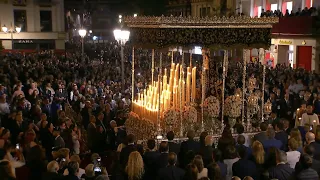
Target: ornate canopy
[(211, 32)]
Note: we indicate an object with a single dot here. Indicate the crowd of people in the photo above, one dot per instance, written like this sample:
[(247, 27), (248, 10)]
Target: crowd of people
[(63, 117), (277, 13)]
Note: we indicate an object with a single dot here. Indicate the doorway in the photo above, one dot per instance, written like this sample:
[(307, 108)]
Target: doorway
[(304, 57)]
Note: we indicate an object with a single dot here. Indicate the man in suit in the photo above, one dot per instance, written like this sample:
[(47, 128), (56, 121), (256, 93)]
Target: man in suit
[(171, 172), (244, 167), (261, 136), (92, 132), (207, 151), (286, 107), (173, 147), (271, 141), (189, 145), (310, 139), (150, 159), (162, 160), (125, 152), (281, 135), (240, 144), (282, 170), (309, 149), (58, 140)]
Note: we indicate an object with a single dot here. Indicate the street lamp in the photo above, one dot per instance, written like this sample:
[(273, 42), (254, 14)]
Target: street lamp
[(82, 33), (122, 36), (11, 31)]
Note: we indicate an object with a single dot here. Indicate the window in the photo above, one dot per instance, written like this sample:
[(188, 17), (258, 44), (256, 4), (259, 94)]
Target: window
[(205, 11), (289, 6), (45, 21), (19, 2), (20, 19), (274, 7), (259, 11)]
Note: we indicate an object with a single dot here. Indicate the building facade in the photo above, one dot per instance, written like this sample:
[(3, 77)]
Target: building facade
[(179, 8), (42, 24)]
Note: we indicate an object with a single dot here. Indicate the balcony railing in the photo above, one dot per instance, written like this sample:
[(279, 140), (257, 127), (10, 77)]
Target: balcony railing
[(300, 25)]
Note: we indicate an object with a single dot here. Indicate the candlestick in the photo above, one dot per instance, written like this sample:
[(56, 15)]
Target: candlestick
[(193, 90)]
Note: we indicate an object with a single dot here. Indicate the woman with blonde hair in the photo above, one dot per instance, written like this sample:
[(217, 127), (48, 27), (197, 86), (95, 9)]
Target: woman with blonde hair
[(258, 156), (135, 166), (296, 135), (203, 172)]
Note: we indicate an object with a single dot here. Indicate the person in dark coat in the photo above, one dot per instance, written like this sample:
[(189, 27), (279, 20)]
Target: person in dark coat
[(271, 142), (171, 172), (125, 152), (52, 172), (189, 145), (150, 159), (282, 170), (93, 134), (309, 149), (58, 140), (244, 167), (206, 151), (173, 147), (306, 172), (240, 144), (310, 139), (162, 160), (261, 136), (281, 135)]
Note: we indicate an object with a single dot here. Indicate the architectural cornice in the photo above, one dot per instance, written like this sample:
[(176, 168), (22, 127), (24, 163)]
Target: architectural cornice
[(196, 22)]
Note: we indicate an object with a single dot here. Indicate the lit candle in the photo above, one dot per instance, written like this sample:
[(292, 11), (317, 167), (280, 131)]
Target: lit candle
[(183, 93), (188, 95), (193, 91)]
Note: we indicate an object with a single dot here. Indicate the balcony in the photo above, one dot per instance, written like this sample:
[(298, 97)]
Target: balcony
[(295, 26)]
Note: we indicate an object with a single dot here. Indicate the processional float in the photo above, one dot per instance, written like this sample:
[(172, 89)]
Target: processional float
[(175, 99)]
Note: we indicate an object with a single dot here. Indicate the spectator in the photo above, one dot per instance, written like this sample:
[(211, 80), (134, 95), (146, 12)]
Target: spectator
[(73, 168), (191, 173), (306, 171), (189, 145), (171, 172), (231, 158), (293, 155), (173, 147), (310, 140), (282, 170), (217, 157), (244, 167), (150, 159), (135, 167), (52, 172), (202, 171), (271, 142), (207, 150), (214, 171), (6, 171)]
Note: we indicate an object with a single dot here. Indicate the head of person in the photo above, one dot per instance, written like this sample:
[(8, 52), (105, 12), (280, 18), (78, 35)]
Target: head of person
[(198, 161), (6, 171), (170, 136), (241, 140), (135, 166), (279, 126), (53, 167), (309, 149), (5, 134), (240, 128), (100, 116), (305, 161), (309, 109), (163, 147), (191, 172), (286, 124), (191, 134), (271, 133), (293, 144), (202, 137), (242, 152), (295, 134), (172, 159), (258, 152), (281, 157), (130, 139), (89, 170), (214, 171), (208, 141), (113, 124), (310, 137), (75, 158), (231, 152), (217, 155), (73, 168), (92, 119), (151, 144)]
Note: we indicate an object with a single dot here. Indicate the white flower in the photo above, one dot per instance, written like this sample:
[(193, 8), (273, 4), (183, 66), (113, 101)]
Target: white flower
[(190, 114), (212, 106)]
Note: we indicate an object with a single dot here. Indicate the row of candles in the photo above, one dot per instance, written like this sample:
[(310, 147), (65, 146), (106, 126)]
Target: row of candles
[(147, 103)]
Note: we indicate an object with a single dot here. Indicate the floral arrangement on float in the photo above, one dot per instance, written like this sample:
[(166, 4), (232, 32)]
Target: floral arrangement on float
[(171, 119), (142, 128), (211, 107), (190, 114), (233, 108)]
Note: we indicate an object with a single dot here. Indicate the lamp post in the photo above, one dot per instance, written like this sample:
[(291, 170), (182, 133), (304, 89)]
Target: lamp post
[(122, 36), (82, 33), (17, 29)]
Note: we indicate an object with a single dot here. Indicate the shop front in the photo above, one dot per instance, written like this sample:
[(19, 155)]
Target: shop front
[(26, 44), (296, 53)]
